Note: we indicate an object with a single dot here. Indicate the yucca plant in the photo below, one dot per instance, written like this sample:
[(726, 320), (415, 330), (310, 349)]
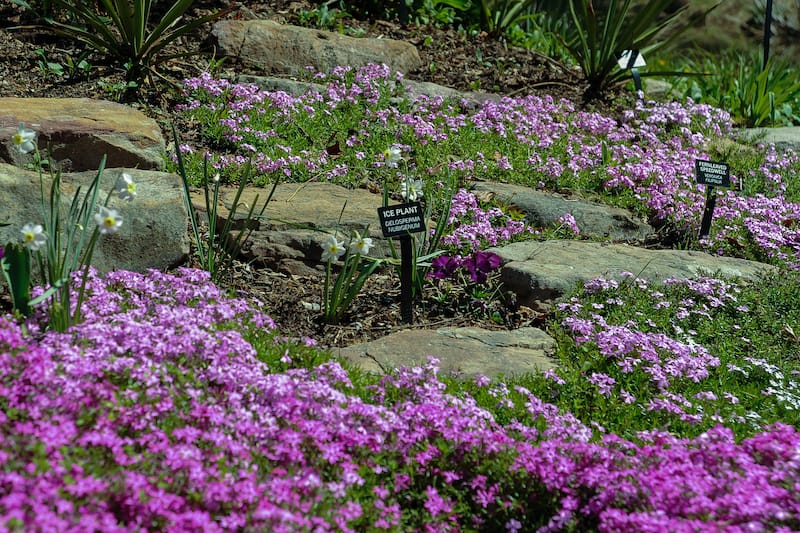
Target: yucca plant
[(122, 30), (599, 36)]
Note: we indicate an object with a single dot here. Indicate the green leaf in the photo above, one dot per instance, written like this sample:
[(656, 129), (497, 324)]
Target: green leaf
[(16, 266)]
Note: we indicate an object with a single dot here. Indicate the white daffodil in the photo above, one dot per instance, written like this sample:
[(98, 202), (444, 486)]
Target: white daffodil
[(24, 139), (392, 156), (108, 220), (332, 249), (33, 236), (411, 189), (125, 187), (360, 244)]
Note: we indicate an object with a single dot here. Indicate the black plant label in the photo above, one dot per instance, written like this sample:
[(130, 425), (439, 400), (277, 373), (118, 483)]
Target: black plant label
[(713, 174), (401, 219)]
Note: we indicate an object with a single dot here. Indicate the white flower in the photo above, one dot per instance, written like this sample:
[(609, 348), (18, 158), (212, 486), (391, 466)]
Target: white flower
[(332, 249), (24, 139), (411, 189), (359, 244), (33, 236), (125, 187), (108, 220), (391, 156)]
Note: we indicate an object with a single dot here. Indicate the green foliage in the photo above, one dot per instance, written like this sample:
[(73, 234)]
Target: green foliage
[(542, 33), (322, 17), (123, 31), (117, 91), (501, 15), (599, 36), (349, 281), (217, 249), (769, 96), (441, 12), (754, 95), (15, 264), (72, 67)]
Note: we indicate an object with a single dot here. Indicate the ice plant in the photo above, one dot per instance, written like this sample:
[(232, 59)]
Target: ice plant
[(33, 236), (24, 140), (125, 187), (480, 264), (444, 267)]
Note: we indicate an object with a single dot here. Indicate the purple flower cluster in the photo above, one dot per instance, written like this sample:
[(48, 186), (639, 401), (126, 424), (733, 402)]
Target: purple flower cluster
[(662, 355), (156, 414), (474, 228), (645, 158), (478, 266)]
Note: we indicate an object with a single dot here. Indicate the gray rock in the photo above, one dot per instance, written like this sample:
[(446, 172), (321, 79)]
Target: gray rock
[(547, 270), (153, 233), (465, 351), (286, 49), (593, 219), (299, 219), (297, 88), (79, 131), (782, 138), (472, 99), (289, 86)]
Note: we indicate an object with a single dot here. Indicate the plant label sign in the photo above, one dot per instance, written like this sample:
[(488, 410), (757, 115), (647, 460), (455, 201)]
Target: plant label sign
[(402, 219), (713, 174), (632, 60), (628, 59)]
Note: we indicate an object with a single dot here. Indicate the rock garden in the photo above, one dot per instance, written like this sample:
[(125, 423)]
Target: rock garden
[(205, 325)]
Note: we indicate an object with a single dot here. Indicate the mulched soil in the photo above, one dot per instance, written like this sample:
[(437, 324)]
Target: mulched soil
[(466, 63)]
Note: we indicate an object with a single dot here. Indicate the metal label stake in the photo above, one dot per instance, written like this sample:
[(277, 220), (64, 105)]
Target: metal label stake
[(401, 221), (711, 174)]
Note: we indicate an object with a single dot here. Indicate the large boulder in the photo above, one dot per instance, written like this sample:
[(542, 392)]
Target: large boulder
[(540, 271), (284, 49), (78, 132), (153, 233)]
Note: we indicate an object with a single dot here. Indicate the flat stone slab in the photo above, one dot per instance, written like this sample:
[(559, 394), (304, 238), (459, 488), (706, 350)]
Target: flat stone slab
[(465, 351), (546, 270), (79, 131), (593, 219), (282, 48)]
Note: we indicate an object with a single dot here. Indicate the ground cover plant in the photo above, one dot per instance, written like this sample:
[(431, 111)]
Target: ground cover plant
[(173, 406), (642, 160)]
